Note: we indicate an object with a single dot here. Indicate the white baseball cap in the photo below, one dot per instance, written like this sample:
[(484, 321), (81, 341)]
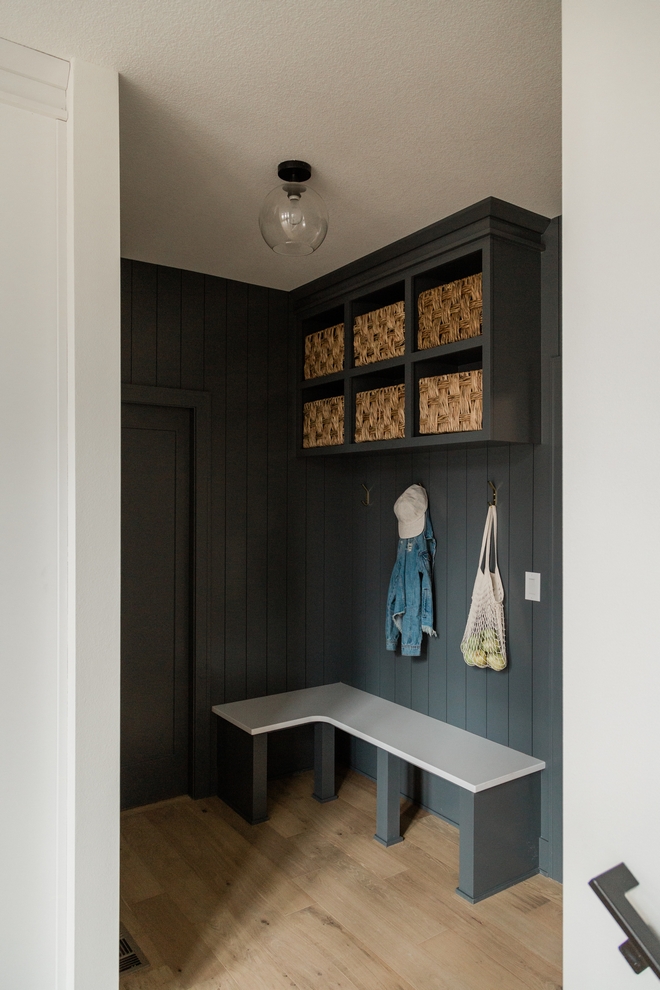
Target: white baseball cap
[(410, 509)]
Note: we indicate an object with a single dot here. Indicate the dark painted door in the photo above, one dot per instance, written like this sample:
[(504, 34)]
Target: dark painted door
[(155, 603)]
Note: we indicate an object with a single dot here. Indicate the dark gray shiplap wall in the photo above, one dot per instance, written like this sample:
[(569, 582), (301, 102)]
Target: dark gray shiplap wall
[(300, 567), (184, 330)]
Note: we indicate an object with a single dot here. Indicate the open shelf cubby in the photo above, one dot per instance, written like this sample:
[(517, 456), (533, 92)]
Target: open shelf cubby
[(496, 240)]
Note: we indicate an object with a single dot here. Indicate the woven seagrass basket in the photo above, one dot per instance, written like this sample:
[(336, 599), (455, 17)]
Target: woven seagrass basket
[(380, 414), (450, 312), (451, 403), (323, 422), (324, 352), (379, 335)]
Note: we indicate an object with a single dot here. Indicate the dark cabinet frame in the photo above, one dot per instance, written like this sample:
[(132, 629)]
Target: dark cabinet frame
[(502, 241)]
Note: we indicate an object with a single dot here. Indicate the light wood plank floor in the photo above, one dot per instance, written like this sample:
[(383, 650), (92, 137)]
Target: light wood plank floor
[(308, 901)]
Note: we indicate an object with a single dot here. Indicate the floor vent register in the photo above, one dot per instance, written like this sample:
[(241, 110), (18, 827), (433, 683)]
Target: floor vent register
[(131, 956)]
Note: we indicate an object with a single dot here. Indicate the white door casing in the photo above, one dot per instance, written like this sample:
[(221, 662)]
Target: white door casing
[(59, 520)]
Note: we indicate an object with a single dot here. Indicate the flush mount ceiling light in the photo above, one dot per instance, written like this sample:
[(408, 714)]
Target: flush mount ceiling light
[(293, 219)]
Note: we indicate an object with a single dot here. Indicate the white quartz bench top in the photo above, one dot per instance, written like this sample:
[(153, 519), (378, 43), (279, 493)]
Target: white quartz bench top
[(462, 757)]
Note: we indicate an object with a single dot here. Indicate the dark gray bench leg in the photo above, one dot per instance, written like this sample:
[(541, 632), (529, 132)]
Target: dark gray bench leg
[(243, 772), (324, 762), (388, 801), (499, 836)]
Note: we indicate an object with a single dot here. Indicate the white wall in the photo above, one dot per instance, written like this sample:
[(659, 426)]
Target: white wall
[(59, 522), (611, 212), (29, 537)]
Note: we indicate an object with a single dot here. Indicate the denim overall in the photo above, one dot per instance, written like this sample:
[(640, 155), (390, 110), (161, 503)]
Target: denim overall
[(410, 595)]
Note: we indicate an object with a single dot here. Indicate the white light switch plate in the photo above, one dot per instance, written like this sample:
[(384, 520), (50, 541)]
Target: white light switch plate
[(532, 586)]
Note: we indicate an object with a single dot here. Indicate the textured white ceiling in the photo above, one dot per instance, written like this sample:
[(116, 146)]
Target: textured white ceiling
[(408, 110)]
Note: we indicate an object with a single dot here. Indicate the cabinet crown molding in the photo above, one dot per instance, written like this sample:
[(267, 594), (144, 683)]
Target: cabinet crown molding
[(33, 80)]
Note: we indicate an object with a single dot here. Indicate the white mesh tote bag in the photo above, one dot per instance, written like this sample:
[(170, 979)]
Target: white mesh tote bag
[(483, 640)]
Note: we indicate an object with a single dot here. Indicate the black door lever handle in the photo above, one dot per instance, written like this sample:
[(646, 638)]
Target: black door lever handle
[(642, 948)]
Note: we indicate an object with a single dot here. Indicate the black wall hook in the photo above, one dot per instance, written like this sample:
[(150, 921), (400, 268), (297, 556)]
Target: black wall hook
[(367, 492)]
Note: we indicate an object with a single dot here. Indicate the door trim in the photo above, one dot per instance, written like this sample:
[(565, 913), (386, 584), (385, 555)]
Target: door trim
[(200, 710)]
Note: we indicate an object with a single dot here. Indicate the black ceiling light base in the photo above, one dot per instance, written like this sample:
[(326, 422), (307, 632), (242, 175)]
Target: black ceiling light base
[(294, 171)]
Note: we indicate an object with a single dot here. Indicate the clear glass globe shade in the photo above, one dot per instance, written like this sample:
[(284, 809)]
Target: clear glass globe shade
[(293, 219)]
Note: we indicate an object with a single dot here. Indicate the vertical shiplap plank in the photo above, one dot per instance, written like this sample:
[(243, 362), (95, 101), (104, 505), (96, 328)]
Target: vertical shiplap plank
[(519, 612), (419, 668), (192, 330), (169, 327), (436, 793), (349, 628), (314, 572), (126, 319), (338, 600), (277, 489), (342, 554), (476, 493), (372, 467), (362, 754), (359, 578), (403, 671), (389, 539), (144, 323), (296, 528), (215, 344), (438, 647), (296, 573), (236, 564), (457, 586), (498, 680), (257, 492)]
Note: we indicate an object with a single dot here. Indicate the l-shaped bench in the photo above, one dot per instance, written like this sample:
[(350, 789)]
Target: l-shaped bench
[(499, 787)]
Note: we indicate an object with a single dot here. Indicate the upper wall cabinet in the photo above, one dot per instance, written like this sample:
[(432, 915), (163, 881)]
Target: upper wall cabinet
[(433, 340)]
